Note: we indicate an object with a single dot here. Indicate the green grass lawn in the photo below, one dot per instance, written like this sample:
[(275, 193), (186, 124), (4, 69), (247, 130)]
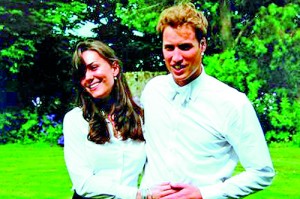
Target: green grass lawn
[(286, 160), (37, 171)]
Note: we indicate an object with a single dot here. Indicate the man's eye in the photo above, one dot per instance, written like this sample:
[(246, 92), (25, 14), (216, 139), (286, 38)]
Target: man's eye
[(169, 48), (185, 47)]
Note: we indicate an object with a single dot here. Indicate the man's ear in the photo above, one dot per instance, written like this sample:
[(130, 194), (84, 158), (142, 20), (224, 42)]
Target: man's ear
[(203, 45)]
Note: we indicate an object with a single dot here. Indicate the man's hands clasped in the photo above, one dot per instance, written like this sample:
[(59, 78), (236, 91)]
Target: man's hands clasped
[(169, 190)]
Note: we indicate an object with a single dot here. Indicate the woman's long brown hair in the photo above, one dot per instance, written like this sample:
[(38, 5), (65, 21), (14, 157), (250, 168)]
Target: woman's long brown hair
[(127, 115)]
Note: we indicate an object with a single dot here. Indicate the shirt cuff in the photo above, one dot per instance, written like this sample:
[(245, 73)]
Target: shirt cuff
[(212, 192), (126, 192)]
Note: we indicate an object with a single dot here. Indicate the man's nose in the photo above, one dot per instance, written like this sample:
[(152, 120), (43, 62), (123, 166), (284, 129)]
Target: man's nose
[(177, 57)]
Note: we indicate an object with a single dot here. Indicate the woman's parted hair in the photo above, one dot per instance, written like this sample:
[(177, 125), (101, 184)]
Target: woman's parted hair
[(183, 14), (126, 113)]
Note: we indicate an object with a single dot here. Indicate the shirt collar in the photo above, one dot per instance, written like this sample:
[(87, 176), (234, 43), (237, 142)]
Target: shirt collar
[(184, 94)]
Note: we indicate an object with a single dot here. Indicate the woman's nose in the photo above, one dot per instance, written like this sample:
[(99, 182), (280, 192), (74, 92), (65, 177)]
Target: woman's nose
[(88, 75)]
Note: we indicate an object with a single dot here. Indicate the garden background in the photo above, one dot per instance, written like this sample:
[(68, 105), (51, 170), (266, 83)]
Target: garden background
[(253, 46)]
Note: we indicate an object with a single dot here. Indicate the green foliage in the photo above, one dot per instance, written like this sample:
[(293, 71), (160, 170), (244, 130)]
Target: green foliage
[(50, 129), (23, 26), (27, 126), (234, 72), (280, 115), (39, 124), (270, 81), (61, 16), (296, 139), (264, 60), (275, 39), (20, 52), (270, 50), (22, 48), (141, 15)]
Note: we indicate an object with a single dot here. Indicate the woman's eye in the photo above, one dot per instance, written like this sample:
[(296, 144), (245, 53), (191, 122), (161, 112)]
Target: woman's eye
[(94, 67)]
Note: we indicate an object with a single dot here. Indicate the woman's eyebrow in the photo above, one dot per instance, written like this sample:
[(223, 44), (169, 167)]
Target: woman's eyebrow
[(90, 64)]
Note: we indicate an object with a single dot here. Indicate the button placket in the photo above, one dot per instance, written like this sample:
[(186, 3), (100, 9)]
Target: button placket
[(171, 146)]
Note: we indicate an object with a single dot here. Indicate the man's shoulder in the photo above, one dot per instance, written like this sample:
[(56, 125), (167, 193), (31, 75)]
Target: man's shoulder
[(219, 85), (156, 87), (223, 91), (157, 81), (159, 78)]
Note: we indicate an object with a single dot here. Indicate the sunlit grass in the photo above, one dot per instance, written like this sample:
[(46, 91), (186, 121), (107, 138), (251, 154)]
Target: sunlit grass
[(286, 160), (33, 171), (39, 171)]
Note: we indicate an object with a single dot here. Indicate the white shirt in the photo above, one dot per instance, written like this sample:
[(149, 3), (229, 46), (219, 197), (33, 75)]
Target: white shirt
[(111, 168), (197, 133)]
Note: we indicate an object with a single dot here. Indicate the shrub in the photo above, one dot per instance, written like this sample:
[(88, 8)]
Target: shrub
[(277, 110), (279, 116), (37, 124), (27, 126), (235, 72)]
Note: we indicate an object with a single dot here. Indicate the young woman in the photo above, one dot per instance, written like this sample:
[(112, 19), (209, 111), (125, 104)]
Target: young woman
[(104, 144)]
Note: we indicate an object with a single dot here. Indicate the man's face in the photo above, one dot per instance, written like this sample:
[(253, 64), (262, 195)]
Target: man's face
[(182, 53)]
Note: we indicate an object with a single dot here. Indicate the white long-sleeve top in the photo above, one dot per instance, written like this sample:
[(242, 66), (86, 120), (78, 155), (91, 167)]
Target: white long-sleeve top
[(111, 168), (197, 133)]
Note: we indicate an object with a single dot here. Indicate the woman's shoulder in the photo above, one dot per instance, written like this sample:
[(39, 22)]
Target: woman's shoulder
[(75, 110), (74, 113)]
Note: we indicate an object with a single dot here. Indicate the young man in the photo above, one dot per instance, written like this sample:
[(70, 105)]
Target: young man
[(196, 127)]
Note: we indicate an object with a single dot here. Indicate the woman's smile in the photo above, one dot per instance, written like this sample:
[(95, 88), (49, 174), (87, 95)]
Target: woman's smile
[(99, 75)]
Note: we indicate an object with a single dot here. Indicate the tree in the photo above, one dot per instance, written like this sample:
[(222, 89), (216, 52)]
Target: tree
[(137, 49), (253, 46), (264, 64), (24, 24), (35, 49)]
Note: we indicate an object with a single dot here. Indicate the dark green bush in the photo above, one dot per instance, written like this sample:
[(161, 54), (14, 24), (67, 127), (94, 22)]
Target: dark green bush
[(281, 117), (264, 64), (40, 124), (27, 126), (278, 114)]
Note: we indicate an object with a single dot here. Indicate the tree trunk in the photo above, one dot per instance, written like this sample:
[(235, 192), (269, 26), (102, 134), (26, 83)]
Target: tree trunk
[(225, 17)]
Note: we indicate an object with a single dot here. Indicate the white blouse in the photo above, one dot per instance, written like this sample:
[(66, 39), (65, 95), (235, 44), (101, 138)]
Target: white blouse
[(111, 168)]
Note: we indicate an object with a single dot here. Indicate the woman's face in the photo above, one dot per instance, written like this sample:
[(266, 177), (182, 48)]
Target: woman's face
[(99, 76)]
